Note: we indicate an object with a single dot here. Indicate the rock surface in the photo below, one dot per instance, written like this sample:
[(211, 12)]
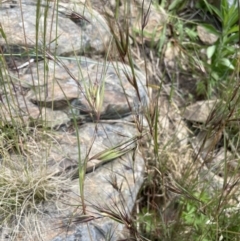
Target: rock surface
[(81, 114), (205, 36), (56, 29), (82, 87), (204, 111)]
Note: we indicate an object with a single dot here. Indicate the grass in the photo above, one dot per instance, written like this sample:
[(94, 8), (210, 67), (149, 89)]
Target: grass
[(195, 210), (181, 198), (26, 179)]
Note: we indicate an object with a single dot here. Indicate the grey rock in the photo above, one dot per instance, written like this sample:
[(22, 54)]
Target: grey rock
[(14, 108), (89, 107), (59, 35), (107, 147), (203, 111), (82, 88), (86, 88), (112, 187)]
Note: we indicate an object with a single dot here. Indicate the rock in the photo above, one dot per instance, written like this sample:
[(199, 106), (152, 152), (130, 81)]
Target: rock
[(98, 145), (100, 195), (52, 118), (96, 34), (65, 35), (83, 88), (15, 109), (210, 114), (97, 90), (80, 114), (69, 89), (203, 111), (155, 21), (205, 36), (111, 187), (56, 94), (120, 96)]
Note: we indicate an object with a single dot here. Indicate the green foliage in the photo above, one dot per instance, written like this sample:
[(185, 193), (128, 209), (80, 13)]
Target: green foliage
[(149, 222), (222, 55), (221, 59), (206, 222), (194, 218)]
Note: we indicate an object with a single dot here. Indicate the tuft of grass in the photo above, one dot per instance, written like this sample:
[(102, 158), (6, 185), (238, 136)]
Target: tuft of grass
[(25, 183)]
